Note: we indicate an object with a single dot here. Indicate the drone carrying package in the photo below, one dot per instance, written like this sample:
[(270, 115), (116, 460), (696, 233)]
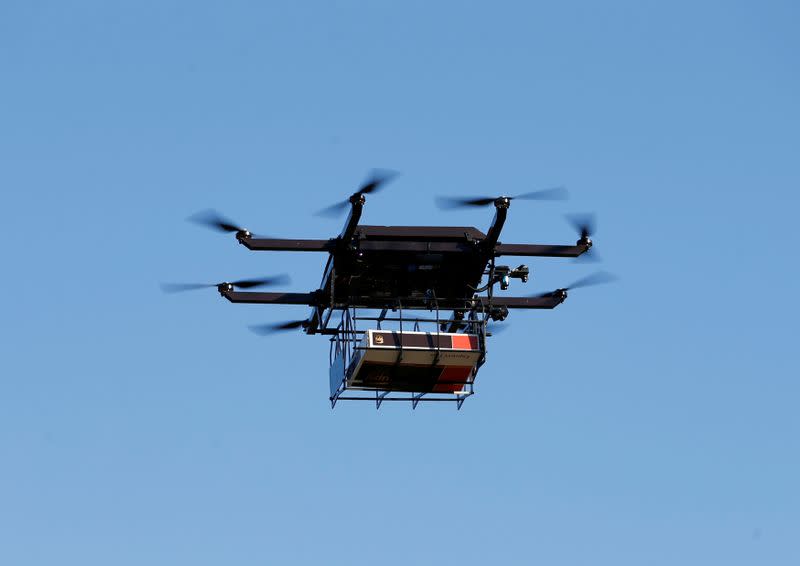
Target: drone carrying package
[(434, 362)]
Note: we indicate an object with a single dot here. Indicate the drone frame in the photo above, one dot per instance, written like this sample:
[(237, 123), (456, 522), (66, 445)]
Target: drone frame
[(361, 243)]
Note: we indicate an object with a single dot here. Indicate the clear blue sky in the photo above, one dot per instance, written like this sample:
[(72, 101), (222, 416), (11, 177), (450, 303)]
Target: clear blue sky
[(653, 421)]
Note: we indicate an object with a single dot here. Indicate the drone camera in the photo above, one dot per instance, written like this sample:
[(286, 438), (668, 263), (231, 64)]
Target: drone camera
[(522, 272), (498, 314), (502, 275)]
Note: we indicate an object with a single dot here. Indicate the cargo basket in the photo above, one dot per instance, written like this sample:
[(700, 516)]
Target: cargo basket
[(402, 364)]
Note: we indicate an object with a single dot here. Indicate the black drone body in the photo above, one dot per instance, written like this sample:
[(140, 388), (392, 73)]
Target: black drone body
[(402, 271)]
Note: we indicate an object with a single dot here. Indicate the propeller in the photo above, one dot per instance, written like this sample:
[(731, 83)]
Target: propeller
[(282, 279), (597, 278), (555, 193), (585, 225), (212, 219), (272, 328), (375, 182)]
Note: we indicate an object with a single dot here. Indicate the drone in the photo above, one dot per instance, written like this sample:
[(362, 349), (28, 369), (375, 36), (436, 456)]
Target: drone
[(407, 309)]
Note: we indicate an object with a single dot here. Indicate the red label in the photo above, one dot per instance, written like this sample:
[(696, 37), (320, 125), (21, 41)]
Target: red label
[(464, 342)]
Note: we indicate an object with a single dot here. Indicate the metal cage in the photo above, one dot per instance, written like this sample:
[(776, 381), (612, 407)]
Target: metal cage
[(348, 347)]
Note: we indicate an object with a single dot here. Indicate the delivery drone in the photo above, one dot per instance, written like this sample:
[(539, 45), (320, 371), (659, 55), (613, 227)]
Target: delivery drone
[(406, 307)]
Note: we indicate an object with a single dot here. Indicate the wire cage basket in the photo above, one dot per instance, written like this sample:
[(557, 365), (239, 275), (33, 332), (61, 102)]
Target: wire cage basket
[(406, 355)]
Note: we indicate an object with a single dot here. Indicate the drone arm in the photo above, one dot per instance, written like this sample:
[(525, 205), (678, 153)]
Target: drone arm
[(501, 212), (280, 244), (309, 299), (539, 250), (484, 304), (547, 302), (276, 244), (356, 206), (312, 300)]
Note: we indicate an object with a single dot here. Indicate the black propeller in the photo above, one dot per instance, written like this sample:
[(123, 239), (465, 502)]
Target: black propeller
[(598, 278), (375, 182), (212, 219), (267, 329), (585, 225), (282, 279), (556, 193)]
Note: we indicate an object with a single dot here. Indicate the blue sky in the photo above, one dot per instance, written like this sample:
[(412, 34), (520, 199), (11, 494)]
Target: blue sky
[(653, 421)]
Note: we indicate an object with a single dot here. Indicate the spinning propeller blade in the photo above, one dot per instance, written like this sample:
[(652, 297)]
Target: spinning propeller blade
[(597, 278), (375, 182), (555, 193), (214, 220), (585, 225), (180, 287), (282, 279), (272, 328)]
